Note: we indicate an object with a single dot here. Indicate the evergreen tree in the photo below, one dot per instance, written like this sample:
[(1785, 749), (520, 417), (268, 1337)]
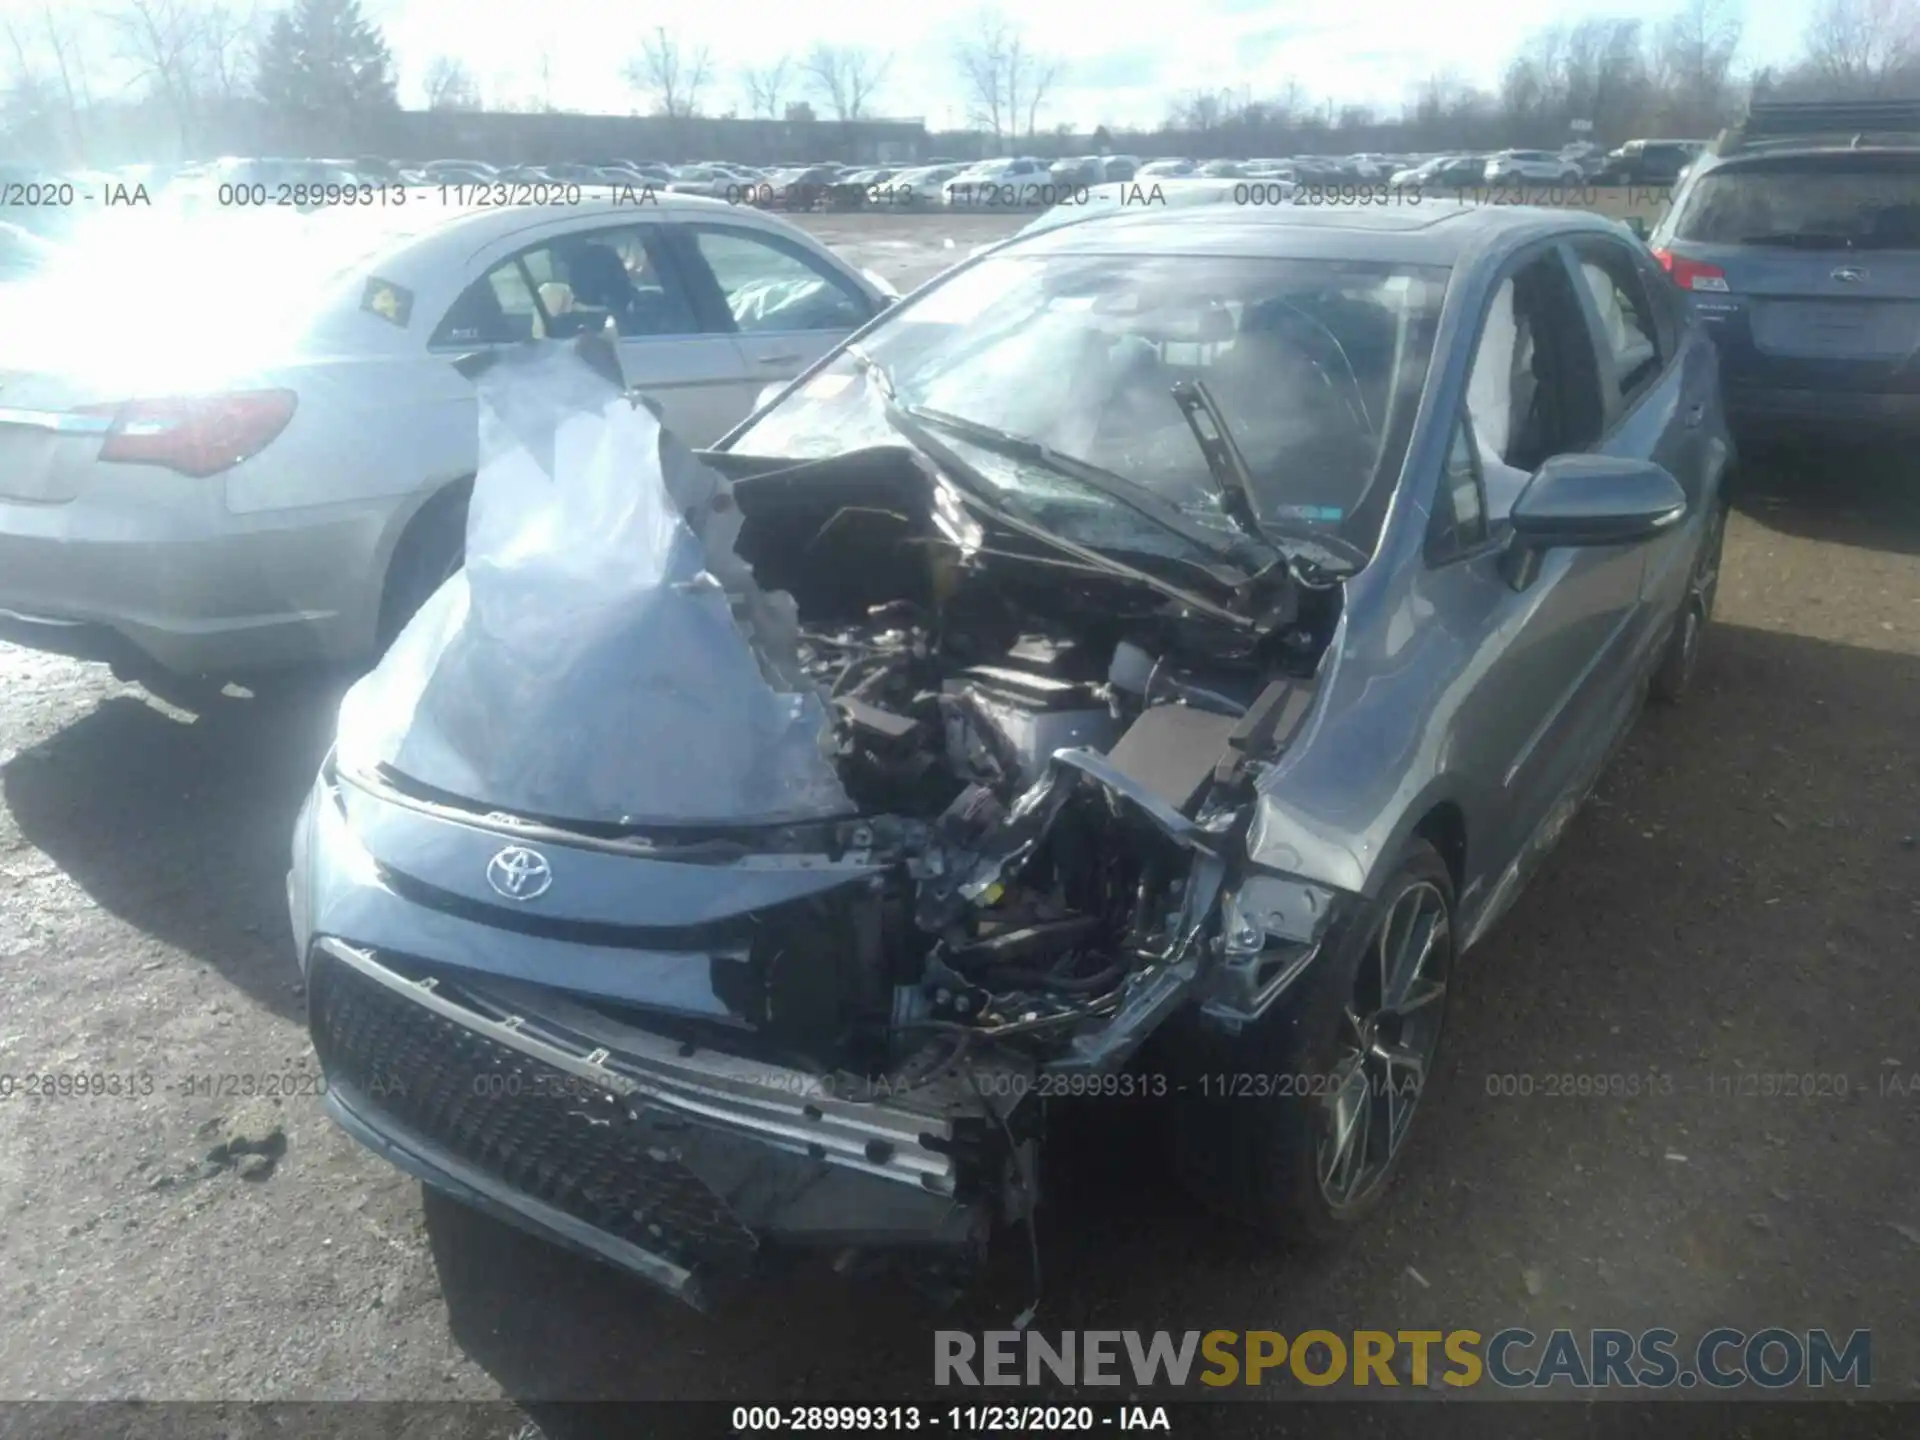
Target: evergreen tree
[(325, 65)]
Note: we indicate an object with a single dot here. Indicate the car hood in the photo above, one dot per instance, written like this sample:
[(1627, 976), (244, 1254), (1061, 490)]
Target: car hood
[(604, 656)]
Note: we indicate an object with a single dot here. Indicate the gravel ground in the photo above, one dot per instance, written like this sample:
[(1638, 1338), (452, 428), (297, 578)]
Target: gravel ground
[(1739, 901)]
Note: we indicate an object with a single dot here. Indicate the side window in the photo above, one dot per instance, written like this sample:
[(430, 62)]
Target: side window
[(1533, 391), (1460, 508), (622, 274), (497, 309), (771, 287), (1625, 311), (570, 285)]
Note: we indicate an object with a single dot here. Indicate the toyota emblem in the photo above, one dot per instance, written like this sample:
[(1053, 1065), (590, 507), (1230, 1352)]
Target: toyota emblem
[(519, 873), (1850, 274)]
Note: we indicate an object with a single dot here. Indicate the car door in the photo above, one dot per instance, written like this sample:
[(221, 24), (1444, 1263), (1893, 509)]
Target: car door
[(1659, 394), (1547, 680), (553, 286), (784, 306)]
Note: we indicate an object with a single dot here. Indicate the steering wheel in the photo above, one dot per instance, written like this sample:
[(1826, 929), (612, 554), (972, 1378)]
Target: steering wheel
[(1327, 356)]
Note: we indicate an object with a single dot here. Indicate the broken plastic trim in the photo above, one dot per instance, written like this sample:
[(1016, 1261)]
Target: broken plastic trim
[(1147, 997), (1273, 928), (950, 890)]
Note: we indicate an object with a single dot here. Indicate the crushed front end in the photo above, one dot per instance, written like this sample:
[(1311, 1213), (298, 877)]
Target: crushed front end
[(693, 923)]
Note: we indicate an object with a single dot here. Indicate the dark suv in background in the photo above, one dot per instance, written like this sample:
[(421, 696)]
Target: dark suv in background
[(1648, 162), (1797, 242)]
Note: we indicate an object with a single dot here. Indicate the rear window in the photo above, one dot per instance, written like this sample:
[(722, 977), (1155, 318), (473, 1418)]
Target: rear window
[(1839, 202)]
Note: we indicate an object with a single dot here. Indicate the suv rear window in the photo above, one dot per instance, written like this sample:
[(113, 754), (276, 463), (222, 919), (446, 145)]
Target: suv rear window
[(1837, 202)]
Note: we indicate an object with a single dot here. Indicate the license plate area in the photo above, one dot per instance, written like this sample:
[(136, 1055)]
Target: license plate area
[(1837, 329)]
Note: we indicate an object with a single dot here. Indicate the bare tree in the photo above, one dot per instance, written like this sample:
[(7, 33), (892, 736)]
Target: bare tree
[(159, 40), (45, 88), (186, 56), (543, 82), (767, 88), (846, 77), (1291, 103), (670, 77), (1694, 63), (229, 40), (1858, 46), (1200, 110), (1006, 81), (1042, 72), (450, 85)]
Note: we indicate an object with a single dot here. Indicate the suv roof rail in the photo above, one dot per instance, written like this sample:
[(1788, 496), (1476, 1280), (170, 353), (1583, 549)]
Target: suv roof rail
[(1836, 123)]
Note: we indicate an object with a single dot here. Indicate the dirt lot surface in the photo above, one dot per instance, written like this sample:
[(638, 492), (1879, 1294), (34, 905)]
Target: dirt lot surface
[(1736, 914)]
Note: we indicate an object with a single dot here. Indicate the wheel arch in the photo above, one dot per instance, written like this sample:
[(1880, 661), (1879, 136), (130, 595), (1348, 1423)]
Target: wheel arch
[(406, 523), (1444, 826)]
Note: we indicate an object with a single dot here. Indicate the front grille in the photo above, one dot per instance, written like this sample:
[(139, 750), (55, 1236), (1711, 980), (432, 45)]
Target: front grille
[(535, 1128)]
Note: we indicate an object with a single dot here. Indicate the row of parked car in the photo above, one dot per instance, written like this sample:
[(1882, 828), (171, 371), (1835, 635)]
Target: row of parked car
[(1002, 182), (1638, 162)]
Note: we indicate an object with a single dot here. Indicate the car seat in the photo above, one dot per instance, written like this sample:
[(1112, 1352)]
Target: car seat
[(601, 288)]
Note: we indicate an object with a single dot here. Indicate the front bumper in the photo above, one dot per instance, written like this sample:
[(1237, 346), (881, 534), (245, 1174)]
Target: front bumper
[(690, 1168)]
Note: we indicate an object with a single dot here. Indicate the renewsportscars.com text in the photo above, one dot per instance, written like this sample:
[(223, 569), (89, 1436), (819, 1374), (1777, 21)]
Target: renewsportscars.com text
[(1513, 1359)]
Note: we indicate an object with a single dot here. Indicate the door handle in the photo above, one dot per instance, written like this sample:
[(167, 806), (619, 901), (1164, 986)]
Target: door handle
[(779, 360)]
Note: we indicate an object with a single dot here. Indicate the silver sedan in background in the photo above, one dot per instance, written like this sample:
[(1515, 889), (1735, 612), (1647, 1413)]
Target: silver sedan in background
[(243, 444)]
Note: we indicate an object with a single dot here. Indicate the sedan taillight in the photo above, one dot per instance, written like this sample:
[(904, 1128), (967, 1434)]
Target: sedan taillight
[(197, 435), (1692, 274)]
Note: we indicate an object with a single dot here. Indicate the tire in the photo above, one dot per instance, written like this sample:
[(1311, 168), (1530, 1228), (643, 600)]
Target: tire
[(1272, 1160), (1674, 675), (433, 547)]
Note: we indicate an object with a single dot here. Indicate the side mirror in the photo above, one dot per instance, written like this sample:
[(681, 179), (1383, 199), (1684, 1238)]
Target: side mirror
[(1596, 500), (1585, 501), (1638, 225)]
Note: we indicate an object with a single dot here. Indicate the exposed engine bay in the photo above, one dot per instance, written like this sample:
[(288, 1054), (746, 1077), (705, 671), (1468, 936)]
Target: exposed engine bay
[(803, 814), (1057, 758)]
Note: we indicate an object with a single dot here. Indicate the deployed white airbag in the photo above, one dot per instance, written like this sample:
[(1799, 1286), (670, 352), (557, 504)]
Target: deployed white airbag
[(605, 656)]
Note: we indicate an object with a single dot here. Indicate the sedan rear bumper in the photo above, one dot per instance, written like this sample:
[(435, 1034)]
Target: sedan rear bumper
[(196, 592)]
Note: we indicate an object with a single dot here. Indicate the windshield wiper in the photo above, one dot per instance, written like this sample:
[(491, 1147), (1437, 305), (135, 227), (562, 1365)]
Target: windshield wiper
[(1317, 554), (957, 468), (1135, 497), (1231, 474)]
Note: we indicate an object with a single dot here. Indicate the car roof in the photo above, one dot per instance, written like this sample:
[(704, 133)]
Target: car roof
[(1765, 156), (417, 254), (1438, 232)]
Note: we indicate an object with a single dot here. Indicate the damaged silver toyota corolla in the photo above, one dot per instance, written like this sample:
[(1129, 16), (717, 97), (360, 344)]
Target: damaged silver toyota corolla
[(1138, 664)]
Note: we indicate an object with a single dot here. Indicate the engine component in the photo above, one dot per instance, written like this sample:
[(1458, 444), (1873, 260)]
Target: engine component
[(1272, 721), (1173, 751), (1032, 709), (1131, 670)]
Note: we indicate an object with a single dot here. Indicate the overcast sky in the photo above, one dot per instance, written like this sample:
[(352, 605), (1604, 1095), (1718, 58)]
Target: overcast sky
[(1123, 60)]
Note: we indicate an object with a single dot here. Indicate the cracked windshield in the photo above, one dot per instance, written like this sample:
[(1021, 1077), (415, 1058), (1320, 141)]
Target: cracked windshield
[(1039, 369)]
